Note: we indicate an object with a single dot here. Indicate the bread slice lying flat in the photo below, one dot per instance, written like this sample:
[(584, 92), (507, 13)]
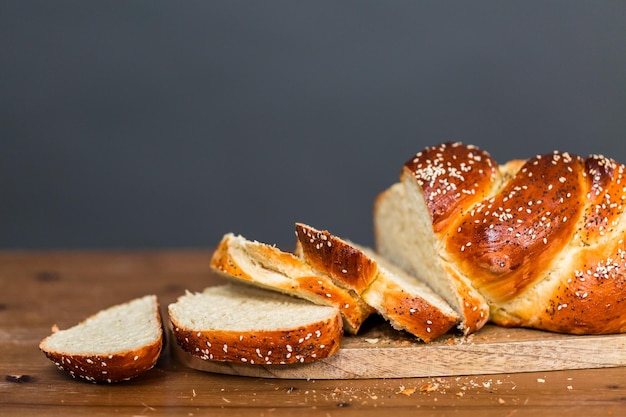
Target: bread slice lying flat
[(265, 266), (114, 345), (408, 304), (244, 324)]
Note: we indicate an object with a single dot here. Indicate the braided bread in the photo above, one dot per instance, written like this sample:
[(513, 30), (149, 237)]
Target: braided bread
[(537, 243)]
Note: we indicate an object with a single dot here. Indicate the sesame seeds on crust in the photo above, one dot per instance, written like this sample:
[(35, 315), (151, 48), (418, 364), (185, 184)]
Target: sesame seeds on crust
[(452, 175), (263, 347), (346, 264), (506, 240), (545, 245)]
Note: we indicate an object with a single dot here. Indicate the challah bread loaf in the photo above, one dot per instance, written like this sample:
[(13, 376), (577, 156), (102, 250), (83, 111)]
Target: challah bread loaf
[(244, 324), (538, 243), (114, 345), (405, 302), (266, 266)]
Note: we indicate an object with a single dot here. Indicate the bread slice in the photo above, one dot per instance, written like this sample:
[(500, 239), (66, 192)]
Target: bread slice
[(244, 324), (405, 302), (114, 345), (265, 266)]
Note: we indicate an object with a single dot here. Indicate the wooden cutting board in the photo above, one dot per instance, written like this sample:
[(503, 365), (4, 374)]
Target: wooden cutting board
[(381, 352)]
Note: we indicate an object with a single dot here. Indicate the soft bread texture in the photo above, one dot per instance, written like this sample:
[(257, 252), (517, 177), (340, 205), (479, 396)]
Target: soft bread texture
[(266, 266), (537, 243), (405, 302), (404, 235), (114, 345), (244, 324)]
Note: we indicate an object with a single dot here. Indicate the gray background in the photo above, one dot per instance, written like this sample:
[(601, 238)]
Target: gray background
[(167, 124)]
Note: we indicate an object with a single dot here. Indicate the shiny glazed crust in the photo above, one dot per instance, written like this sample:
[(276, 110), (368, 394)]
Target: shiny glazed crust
[(339, 259), (541, 240), (305, 344)]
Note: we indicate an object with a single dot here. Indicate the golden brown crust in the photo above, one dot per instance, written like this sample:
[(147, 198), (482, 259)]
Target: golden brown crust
[(327, 253), (263, 347), (587, 297), (507, 242), (453, 176), (302, 281), (411, 313), (543, 243), (605, 198), (108, 368)]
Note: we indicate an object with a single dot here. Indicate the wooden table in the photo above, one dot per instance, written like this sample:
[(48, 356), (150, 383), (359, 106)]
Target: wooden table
[(39, 289)]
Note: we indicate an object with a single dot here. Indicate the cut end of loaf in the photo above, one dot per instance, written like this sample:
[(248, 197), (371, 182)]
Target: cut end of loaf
[(114, 345), (242, 324)]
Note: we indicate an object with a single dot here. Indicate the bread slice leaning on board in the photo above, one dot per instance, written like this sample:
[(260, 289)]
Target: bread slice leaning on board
[(113, 345), (245, 324), (539, 243), (266, 266), (405, 302)]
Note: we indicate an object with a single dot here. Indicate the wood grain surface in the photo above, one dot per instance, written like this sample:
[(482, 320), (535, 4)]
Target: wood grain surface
[(40, 289), (382, 352)]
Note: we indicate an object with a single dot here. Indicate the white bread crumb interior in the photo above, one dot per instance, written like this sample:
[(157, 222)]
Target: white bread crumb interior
[(117, 329), (243, 308)]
